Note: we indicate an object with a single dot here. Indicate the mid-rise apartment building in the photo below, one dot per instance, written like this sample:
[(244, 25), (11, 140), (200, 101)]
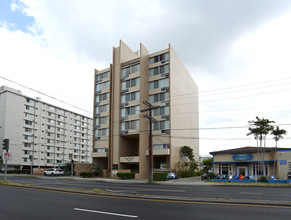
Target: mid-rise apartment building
[(121, 132), (41, 134)]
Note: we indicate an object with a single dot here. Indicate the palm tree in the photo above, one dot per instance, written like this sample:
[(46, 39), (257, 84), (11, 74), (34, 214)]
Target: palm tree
[(277, 132), (260, 128)]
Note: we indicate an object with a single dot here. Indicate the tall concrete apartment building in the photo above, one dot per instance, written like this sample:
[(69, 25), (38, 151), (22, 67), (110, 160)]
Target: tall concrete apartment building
[(121, 132), (42, 133)]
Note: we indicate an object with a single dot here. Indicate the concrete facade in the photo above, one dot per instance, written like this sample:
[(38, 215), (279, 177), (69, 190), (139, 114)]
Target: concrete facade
[(121, 137), (43, 132), (247, 160)]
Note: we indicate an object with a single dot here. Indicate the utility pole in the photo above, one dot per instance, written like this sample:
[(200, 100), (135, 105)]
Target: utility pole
[(5, 147), (151, 119)]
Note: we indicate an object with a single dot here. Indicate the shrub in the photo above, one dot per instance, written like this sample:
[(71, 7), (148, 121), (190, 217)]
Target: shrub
[(18, 171), (86, 174), (210, 175), (160, 176), (264, 179), (126, 175), (198, 173)]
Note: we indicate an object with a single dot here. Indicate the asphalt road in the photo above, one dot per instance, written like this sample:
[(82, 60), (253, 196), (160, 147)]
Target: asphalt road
[(30, 204), (202, 191)]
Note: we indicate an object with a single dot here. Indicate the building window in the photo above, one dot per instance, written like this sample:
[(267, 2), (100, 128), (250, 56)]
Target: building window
[(101, 132), (158, 70), (51, 121), (49, 127), (159, 84), (159, 125), (51, 108), (127, 125), (158, 58), (28, 122), (27, 137), (102, 86), (132, 110), (60, 117), (258, 169), (130, 83), (27, 144), (130, 97), (29, 108), (60, 111), (102, 76), (159, 97), (77, 127), (161, 111), (102, 120), (28, 129), (102, 97), (60, 129), (161, 146), (224, 169), (130, 69), (101, 150), (30, 101), (102, 108)]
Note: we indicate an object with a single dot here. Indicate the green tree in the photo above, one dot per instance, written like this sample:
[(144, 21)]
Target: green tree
[(207, 164), (260, 128), (187, 152), (278, 134)]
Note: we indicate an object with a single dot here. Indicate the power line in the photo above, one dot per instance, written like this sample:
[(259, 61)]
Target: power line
[(34, 90)]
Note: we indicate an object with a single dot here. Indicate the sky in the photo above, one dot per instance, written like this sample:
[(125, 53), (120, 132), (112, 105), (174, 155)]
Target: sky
[(238, 53)]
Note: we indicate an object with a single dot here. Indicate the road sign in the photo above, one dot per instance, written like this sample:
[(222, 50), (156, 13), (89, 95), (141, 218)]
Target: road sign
[(7, 156)]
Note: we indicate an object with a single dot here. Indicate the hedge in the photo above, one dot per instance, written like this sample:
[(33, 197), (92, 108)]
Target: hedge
[(86, 174), (126, 175), (17, 171), (160, 176)]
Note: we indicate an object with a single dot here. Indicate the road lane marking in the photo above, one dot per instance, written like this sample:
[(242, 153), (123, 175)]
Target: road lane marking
[(250, 193), (106, 213)]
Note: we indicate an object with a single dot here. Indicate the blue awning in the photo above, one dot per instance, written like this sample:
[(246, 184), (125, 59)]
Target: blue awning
[(245, 161)]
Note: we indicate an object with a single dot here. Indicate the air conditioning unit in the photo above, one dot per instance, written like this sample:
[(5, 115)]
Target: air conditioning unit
[(165, 88), (167, 74), (124, 90), (164, 61), (124, 132), (165, 117), (98, 114), (162, 75)]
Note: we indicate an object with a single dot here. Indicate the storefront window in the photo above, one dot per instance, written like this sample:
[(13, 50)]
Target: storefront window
[(224, 168), (258, 169)]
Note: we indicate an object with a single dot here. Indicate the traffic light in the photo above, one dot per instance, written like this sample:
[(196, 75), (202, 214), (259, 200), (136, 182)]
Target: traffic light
[(0, 159), (70, 156), (6, 145)]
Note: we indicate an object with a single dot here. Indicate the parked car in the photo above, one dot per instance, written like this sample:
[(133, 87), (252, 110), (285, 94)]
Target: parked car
[(53, 172), (289, 175)]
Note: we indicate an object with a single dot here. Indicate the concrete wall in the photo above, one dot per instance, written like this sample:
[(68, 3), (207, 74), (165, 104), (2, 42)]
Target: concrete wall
[(184, 109)]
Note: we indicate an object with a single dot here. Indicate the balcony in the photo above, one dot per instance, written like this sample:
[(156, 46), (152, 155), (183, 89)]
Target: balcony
[(129, 159), (99, 154), (160, 152)]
